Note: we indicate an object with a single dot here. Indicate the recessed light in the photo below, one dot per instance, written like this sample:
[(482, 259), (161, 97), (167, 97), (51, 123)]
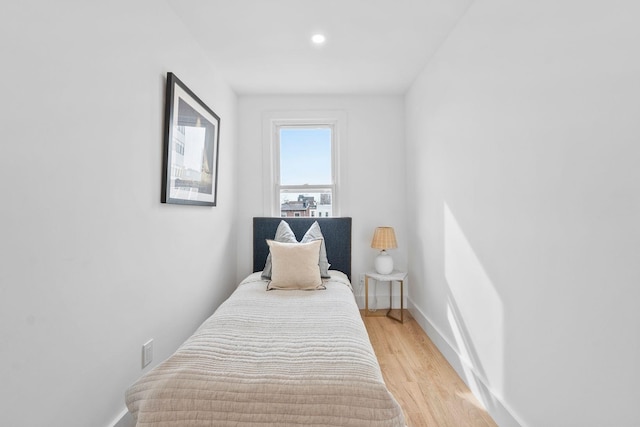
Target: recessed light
[(318, 39)]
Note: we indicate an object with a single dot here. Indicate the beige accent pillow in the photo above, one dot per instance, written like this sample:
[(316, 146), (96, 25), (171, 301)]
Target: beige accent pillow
[(295, 265)]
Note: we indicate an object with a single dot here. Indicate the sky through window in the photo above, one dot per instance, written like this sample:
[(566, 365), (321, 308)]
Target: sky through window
[(305, 156)]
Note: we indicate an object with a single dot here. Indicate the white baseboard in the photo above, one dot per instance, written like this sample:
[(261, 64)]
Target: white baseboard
[(494, 406), (125, 419)]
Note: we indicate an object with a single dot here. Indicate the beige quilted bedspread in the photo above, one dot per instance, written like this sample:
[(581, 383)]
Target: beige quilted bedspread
[(276, 358)]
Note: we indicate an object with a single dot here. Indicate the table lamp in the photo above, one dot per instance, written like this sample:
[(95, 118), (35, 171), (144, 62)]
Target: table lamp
[(384, 238)]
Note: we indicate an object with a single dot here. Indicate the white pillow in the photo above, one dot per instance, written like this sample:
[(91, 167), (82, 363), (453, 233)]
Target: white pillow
[(295, 265), (283, 234), (314, 233)]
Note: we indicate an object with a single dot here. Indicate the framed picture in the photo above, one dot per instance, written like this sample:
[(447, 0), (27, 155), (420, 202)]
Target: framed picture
[(191, 140)]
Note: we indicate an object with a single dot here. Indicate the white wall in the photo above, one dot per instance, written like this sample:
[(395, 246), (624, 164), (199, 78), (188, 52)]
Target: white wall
[(374, 162), (522, 156), (91, 263)]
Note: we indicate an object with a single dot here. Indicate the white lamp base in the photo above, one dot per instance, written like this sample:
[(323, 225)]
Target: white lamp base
[(384, 263)]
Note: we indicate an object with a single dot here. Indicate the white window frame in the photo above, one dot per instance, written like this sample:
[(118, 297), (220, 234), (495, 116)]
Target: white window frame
[(272, 123)]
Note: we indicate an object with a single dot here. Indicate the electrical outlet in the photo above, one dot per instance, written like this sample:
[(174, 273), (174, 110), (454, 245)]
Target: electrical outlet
[(147, 353)]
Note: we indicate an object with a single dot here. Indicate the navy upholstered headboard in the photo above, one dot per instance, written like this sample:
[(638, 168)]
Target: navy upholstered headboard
[(336, 232)]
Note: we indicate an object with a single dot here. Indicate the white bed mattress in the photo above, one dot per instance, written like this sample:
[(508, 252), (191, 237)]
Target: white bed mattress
[(271, 358)]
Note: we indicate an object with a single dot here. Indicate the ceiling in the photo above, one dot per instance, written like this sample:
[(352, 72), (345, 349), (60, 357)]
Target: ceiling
[(373, 46)]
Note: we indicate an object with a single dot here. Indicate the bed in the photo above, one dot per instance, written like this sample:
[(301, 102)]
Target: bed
[(278, 357)]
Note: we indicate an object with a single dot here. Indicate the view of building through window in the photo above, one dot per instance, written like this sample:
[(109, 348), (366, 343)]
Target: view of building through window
[(307, 204), (306, 176)]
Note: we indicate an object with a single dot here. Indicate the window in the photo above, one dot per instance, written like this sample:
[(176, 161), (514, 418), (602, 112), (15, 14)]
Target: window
[(301, 159), (305, 183)]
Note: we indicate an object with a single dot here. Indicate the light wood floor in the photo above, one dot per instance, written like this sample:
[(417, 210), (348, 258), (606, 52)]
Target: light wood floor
[(430, 392)]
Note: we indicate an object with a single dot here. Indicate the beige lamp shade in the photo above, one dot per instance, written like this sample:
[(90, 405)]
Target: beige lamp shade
[(384, 238)]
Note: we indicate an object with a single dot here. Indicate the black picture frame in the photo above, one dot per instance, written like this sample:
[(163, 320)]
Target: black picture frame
[(191, 147)]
